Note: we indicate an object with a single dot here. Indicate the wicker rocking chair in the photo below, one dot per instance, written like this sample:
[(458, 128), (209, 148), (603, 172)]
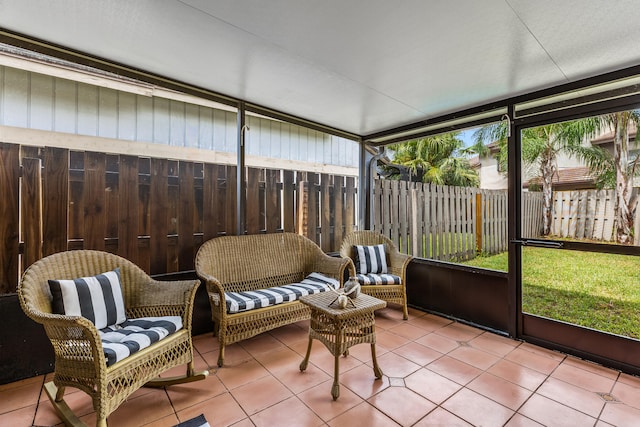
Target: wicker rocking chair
[(396, 265), (80, 359)]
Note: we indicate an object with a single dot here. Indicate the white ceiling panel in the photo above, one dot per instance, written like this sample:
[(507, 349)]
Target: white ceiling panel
[(359, 65), (584, 37)]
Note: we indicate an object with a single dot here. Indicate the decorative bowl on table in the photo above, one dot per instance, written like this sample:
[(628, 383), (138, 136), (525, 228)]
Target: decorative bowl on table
[(352, 288)]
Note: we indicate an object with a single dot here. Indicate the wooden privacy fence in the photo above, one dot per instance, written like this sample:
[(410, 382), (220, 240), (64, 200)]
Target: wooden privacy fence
[(583, 214), (587, 214), (446, 222), (155, 212), (456, 223)]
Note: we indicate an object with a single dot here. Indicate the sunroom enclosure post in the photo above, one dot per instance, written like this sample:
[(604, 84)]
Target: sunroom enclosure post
[(363, 189), (241, 185), (514, 212)]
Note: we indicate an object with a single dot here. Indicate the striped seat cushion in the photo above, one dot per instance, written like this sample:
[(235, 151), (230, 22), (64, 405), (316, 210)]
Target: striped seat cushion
[(312, 284), (133, 335), (379, 279), (97, 298)]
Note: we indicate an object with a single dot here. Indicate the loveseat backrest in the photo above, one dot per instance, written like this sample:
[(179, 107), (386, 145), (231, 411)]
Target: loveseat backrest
[(257, 261)]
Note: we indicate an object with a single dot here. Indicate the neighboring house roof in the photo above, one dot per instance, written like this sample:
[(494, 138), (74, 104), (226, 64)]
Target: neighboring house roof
[(607, 137), (577, 178), (494, 147), (475, 162)]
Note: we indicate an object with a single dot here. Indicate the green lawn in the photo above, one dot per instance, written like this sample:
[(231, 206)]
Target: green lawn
[(599, 291)]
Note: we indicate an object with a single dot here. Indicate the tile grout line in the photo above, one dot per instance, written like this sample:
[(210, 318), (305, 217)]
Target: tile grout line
[(227, 390), (611, 394), (35, 413), (517, 411)]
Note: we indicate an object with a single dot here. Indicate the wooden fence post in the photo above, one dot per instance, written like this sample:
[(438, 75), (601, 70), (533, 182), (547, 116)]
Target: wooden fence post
[(303, 208), (479, 226)]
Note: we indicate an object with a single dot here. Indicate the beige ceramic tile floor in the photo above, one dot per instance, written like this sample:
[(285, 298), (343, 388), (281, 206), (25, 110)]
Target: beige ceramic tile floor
[(436, 372)]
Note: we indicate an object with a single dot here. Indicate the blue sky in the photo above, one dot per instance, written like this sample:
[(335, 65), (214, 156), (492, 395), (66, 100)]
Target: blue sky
[(467, 137)]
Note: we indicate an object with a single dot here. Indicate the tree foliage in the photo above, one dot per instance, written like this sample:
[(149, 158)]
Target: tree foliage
[(438, 159), (541, 147)]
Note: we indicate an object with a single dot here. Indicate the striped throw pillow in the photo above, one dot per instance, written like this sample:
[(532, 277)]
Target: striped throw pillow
[(370, 259), (97, 298), (199, 421)]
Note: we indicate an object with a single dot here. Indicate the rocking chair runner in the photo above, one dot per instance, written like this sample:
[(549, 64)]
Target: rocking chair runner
[(79, 356), (396, 262)]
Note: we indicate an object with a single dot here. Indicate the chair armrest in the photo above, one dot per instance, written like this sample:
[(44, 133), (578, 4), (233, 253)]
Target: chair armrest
[(214, 288), (331, 266), (76, 344), (398, 263), (351, 267), (166, 298)]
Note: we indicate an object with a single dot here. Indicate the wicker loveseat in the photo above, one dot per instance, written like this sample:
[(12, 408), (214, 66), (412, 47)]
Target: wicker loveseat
[(234, 266), (83, 358)]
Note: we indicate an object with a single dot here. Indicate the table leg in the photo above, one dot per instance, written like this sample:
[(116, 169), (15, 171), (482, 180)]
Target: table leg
[(376, 369), (335, 389), (305, 362)]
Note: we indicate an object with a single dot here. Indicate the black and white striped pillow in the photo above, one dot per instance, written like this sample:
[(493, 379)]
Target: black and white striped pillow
[(199, 421), (97, 298), (370, 259)]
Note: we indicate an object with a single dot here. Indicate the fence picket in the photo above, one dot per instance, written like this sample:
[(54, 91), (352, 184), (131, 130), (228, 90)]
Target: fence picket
[(581, 208), (403, 218), (128, 208), (591, 214), (10, 216), (55, 209), (272, 211), (350, 204), (446, 215), (338, 209), (93, 198), (609, 217), (186, 208), (414, 227), (31, 210), (598, 232), (159, 198)]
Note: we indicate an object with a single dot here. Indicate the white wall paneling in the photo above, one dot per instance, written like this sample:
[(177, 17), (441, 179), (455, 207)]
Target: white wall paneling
[(37, 101)]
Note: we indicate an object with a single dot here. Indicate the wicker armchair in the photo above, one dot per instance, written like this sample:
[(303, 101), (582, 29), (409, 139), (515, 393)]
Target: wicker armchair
[(79, 358), (396, 262)]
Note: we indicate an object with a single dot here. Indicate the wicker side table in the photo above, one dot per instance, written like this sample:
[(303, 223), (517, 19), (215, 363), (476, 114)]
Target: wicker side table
[(341, 328)]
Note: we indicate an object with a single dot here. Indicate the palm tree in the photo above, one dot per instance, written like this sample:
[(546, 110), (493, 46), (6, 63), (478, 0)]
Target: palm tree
[(439, 158), (541, 146), (617, 171)]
